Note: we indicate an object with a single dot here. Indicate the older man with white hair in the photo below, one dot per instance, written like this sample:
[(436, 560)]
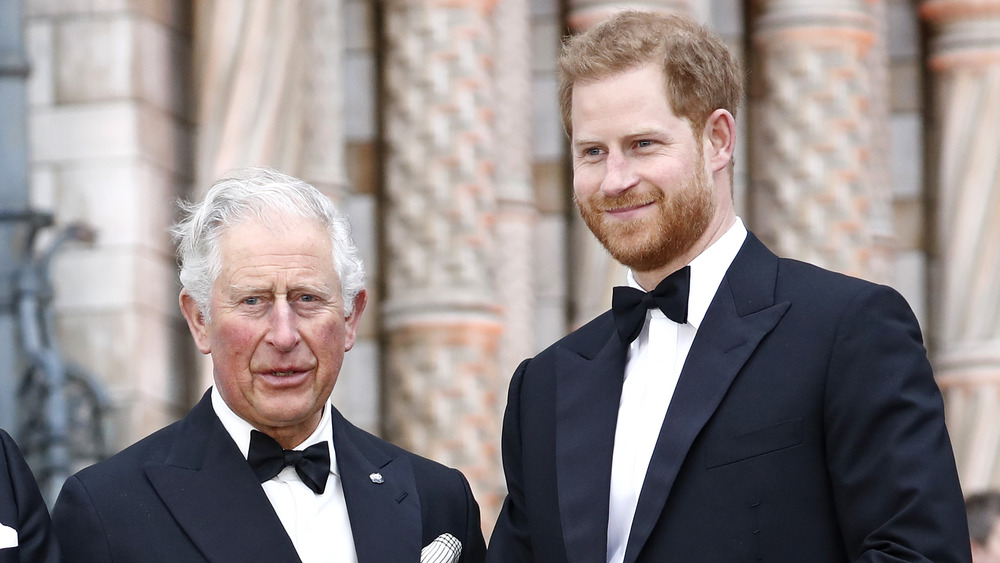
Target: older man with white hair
[(264, 468)]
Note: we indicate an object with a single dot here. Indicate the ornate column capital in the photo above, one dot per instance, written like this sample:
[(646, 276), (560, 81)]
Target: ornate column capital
[(583, 14), (815, 23), (966, 32)]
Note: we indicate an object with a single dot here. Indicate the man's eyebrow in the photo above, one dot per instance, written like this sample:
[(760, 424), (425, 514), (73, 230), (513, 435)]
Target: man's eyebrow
[(310, 288), (245, 289), (236, 293), (644, 132), (319, 289)]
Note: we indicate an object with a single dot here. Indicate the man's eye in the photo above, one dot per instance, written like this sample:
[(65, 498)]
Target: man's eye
[(251, 301), (644, 143), (593, 151), (307, 298)]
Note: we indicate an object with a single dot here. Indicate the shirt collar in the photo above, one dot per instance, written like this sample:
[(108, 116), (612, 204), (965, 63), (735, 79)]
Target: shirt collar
[(707, 271), (239, 429)]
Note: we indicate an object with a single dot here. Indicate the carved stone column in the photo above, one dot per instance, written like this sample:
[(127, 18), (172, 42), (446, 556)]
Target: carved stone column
[(516, 214), (881, 225), (816, 109), (965, 62), (441, 315)]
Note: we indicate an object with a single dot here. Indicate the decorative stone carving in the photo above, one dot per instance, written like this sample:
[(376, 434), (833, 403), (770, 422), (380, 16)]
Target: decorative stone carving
[(441, 315), (814, 193), (965, 61), (516, 214)]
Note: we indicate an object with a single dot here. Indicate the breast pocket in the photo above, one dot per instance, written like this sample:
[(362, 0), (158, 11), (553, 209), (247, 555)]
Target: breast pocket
[(781, 436)]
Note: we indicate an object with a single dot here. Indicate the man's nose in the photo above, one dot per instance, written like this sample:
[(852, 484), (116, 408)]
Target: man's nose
[(619, 174), (284, 330)]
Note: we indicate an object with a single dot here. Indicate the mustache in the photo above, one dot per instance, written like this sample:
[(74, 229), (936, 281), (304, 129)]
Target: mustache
[(600, 201)]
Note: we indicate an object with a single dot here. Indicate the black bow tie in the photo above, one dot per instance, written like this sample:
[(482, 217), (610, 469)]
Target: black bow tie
[(267, 459), (629, 305)]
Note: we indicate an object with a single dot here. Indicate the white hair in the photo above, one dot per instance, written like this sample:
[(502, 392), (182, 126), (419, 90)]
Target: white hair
[(264, 195)]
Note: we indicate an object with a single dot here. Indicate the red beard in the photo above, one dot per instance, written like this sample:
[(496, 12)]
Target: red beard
[(647, 243)]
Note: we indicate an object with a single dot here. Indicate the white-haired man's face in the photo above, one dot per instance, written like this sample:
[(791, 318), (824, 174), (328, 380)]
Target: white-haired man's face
[(278, 332)]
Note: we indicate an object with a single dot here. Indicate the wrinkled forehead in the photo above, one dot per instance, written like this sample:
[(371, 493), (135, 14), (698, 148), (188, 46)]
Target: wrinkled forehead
[(274, 242)]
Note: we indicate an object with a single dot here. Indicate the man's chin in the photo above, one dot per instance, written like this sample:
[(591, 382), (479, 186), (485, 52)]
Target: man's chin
[(635, 257)]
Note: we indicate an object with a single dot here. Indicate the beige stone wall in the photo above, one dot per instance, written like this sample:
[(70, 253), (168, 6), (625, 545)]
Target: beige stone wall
[(110, 139)]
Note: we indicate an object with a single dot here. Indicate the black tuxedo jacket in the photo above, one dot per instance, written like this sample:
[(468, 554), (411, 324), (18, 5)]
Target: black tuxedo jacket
[(186, 493), (806, 426), (22, 508)]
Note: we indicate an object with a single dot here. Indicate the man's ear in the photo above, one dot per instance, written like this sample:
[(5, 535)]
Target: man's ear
[(196, 322), (720, 139), (353, 321)]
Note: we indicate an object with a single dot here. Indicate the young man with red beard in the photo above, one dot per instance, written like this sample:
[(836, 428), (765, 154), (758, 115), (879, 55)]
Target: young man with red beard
[(748, 407)]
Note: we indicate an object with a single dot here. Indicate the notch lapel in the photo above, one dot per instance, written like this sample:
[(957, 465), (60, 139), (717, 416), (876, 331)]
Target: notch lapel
[(741, 314), (588, 393), (214, 496), (385, 517)]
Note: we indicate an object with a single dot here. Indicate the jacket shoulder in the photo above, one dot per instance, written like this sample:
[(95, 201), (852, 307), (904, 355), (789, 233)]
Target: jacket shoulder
[(802, 281), (129, 462)]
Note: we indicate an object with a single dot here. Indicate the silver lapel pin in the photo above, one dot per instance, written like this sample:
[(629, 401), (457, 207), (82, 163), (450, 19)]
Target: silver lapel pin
[(376, 478)]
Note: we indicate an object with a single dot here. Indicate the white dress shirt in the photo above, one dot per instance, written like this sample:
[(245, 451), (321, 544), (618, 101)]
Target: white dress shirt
[(654, 364), (317, 524)]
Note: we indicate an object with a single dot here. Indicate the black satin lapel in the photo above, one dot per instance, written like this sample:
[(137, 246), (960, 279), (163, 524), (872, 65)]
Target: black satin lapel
[(213, 494), (724, 343), (588, 394), (385, 517)]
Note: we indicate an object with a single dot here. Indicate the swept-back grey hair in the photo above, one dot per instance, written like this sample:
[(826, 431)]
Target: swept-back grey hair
[(267, 196)]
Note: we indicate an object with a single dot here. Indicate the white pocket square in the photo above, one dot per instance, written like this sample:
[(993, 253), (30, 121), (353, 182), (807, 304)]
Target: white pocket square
[(444, 549), (8, 537)]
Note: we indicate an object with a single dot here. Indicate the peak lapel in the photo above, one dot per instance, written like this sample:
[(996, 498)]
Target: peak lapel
[(214, 496), (385, 517), (741, 314), (588, 392)]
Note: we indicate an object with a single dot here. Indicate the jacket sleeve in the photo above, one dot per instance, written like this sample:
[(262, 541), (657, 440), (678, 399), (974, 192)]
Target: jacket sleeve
[(474, 550), (891, 463), (511, 541), (78, 525), (36, 541)]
